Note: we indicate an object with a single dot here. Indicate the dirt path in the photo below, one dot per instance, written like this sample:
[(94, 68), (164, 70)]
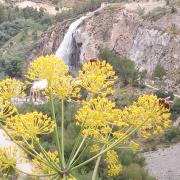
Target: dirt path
[(164, 164)]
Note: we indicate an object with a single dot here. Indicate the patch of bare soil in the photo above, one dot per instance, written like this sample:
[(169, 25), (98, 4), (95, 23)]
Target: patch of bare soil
[(164, 164)]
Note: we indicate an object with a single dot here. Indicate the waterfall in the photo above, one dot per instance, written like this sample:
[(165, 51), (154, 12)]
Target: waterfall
[(66, 50)]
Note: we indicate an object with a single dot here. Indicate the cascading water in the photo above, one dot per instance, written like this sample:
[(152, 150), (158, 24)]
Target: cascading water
[(66, 48)]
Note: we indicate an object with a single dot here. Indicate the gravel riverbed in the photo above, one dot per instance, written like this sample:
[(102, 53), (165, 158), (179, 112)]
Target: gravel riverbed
[(164, 164)]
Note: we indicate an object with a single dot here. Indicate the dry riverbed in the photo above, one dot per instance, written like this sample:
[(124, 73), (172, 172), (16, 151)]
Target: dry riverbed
[(164, 164)]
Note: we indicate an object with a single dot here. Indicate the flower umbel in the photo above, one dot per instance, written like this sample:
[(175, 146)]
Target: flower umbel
[(54, 70), (97, 77), (97, 116), (30, 125), (10, 88), (147, 109), (8, 158), (6, 109), (113, 165)]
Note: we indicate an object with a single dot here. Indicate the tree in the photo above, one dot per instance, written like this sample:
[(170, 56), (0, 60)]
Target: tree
[(13, 65)]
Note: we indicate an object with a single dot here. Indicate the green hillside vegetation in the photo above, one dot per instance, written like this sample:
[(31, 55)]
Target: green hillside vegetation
[(19, 31)]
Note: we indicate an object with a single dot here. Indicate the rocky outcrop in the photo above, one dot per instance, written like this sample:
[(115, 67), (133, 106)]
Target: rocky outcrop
[(125, 32)]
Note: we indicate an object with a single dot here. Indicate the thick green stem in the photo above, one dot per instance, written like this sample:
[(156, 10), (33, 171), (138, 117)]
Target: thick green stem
[(56, 129), (96, 166), (62, 132)]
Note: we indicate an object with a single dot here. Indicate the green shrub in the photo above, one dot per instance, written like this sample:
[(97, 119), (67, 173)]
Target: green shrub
[(176, 106), (159, 71), (134, 172), (164, 94), (172, 133), (124, 67), (128, 157), (156, 13), (90, 5)]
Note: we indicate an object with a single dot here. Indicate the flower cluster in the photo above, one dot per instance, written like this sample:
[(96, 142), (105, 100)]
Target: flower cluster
[(41, 167), (8, 158), (149, 114), (97, 77), (97, 118), (113, 164), (30, 125), (54, 70), (10, 88), (6, 109)]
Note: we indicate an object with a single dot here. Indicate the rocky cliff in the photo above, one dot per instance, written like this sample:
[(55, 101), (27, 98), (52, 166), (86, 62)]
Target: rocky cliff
[(131, 32)]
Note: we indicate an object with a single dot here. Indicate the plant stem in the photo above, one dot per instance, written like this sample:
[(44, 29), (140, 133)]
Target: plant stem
[(97, 166), (75, 155), (108, 148), (56, 128), (37, 175), (62, 132)]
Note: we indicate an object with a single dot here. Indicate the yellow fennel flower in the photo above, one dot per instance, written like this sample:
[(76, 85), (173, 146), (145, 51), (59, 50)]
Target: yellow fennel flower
[(40, 167), (66, 87), (95, 148), (97, 77), (10, 88), (8, 158), (96, 117), (54, 70), (148, 113), (30, 125), (134, 146), (113, 165), (6, 109)]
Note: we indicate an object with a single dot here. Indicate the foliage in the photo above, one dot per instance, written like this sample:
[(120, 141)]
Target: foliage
[(175, 109), (135, 172), (102, 126), (159, 12), (124, 67), (164, 94), (90, 5), (10, 29), (176, 106), (172, 133), (11, 14), (159, 71), (128, 157)]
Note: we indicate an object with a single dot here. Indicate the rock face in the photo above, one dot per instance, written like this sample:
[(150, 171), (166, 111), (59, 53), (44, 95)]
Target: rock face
[(128, 35), (124, 31)]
